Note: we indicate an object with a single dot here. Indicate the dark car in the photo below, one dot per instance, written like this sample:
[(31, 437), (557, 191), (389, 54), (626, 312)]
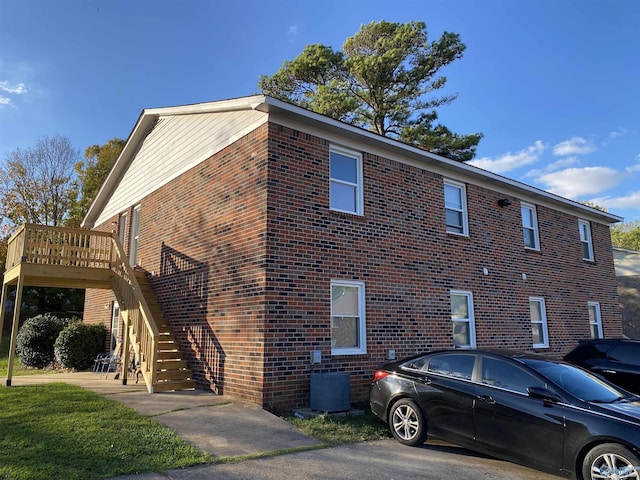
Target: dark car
[(617, 360), (524, 408)]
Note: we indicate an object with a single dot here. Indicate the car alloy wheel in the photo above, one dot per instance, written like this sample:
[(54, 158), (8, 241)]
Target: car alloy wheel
[(611, 461), (407, 423)]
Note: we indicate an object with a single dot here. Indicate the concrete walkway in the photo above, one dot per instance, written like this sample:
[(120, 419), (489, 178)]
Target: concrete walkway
[(215, 424)]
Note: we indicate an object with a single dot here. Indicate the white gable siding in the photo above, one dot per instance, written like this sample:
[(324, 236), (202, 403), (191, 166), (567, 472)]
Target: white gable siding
[(176, 144)]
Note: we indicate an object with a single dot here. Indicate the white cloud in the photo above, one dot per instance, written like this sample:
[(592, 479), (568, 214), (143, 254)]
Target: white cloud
[(620, 132), (575, 146), (577, 182), (17, 89), (5, 100), (629, 201), (552, 167), (293, 31), (634, 168), (510, 161)]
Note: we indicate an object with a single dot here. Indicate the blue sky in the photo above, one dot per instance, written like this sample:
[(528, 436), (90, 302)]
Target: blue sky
[(554, 85)]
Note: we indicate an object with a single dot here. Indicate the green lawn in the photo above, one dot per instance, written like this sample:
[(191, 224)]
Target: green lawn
[(65, 432), (18, 369)]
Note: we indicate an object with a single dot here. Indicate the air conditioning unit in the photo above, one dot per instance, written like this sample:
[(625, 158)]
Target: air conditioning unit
[(330, 392)]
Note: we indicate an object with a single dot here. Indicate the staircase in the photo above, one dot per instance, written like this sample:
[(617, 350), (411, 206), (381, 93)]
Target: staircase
[(172, 372)]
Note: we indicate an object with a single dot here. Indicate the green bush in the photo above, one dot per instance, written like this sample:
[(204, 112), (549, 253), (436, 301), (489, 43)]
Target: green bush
[(34, 344), (78, 345)]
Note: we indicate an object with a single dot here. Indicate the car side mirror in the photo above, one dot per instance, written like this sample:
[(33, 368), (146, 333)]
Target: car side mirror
[(543, 394)]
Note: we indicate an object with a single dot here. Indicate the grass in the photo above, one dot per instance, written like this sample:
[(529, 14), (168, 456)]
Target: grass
[(335, 430), (18, 369), (63, 431)]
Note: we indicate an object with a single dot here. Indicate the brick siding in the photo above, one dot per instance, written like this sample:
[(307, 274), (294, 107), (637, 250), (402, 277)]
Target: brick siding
[(243, 247)]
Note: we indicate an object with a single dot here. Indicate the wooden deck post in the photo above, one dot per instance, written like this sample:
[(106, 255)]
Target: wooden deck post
[(3, 306), (14, 327)]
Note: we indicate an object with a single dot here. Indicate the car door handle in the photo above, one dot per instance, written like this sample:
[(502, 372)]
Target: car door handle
[(608, 372), (486, 399)]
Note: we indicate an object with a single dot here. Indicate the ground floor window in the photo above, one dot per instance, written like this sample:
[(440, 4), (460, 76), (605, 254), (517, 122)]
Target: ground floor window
[(115, 325), (595, 320), (538, 322), (348, 323), (464, 332)]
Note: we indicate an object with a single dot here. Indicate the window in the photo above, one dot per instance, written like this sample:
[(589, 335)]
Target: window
[(501, 374), (595, 321), (346, 181), (122, 228), (348, 324), (530, 227), (464, 332), (455, 207), (538, 322), (585, 238), (133, 243), (453, 364), (115, 325)]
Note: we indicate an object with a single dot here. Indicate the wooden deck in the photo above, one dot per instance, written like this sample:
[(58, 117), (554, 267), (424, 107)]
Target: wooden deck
[(44, 256)]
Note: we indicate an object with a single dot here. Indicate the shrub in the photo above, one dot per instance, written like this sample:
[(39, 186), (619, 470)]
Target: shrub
[(78, 345), (34, 344)]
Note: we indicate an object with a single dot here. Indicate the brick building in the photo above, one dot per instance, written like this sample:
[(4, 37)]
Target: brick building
[(269, 232)]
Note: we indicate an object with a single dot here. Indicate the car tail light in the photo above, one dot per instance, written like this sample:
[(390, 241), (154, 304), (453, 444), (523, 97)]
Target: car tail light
[(379, 375)]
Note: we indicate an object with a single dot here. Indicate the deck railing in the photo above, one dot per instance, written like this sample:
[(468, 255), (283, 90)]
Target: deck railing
[(46, 245)]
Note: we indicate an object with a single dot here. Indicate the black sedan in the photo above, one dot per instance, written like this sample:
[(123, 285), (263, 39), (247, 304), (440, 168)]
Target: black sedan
[(520, 407)]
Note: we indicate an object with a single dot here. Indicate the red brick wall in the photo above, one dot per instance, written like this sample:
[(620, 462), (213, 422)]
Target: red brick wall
[(243, 247), (400, 249), (202, 237)]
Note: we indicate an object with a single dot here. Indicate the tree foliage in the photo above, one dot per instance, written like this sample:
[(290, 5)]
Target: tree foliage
[(626, 235), (35, 183), (383, 80), (91, 174)]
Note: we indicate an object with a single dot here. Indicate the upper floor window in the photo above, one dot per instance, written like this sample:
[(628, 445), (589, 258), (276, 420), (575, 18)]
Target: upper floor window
[(464, 331), (133, 241), (585, 239), (455, 207), (346, 181), (348, 323), (595, 320), (538, 322), (530, 226)]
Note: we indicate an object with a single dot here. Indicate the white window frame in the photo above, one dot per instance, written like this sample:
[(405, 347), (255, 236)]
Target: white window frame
[(361, 348), (135, 233), (470, 320), (462, 189), (115, 326), (542, 322), (534, 227), (585, 239), (122, 234), (358, 186), (595, 320)]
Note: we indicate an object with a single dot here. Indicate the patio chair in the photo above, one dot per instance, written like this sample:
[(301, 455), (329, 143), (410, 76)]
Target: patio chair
[(97, 363), (112, 363)]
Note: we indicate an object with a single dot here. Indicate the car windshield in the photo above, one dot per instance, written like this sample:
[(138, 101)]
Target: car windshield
[(577, 382)]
